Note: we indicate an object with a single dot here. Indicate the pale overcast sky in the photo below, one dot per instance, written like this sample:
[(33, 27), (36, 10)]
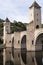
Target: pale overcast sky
[(17, 9)]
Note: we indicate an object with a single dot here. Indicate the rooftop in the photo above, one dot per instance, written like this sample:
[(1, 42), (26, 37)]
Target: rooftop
[(7, 20), (35, 4)]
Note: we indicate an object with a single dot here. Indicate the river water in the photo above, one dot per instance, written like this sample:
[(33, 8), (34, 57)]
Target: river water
[(23, 57), (28, 58)]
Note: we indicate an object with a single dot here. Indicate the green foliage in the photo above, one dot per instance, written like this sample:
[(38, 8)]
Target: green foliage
[(17, 26), (42, 25), (1, 20), (1, 29)]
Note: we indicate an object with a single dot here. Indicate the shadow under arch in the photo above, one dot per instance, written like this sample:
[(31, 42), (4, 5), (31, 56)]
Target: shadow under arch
[(23, 49), (39, 54), (39, 41), (13, 47), (9, 62)]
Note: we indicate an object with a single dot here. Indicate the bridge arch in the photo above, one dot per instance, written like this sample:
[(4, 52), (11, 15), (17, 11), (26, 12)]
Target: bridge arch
[(39, 41), (13, 47), (23, 49), (38, 32), (23, 42)]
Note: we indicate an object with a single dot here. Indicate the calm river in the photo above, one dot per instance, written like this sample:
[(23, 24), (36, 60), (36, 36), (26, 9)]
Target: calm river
[(28, 58)]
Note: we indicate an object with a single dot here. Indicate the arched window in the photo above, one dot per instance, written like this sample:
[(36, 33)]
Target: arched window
[(37, 26)]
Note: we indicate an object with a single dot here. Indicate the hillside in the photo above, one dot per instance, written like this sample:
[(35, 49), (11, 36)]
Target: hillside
[(15, 26)]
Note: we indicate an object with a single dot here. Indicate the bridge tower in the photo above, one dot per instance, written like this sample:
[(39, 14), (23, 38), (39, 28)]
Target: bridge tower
[(35, 14), (6, 28), (5, 32), (35, 24)]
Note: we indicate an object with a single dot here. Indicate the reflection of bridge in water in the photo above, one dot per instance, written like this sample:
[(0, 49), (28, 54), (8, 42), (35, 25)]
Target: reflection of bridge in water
[(28, 58), (2, 46), (20, 57), (15, 56)]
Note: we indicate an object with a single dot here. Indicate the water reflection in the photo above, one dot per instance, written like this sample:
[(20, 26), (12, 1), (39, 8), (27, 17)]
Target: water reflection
[(22, 57), (38, 56), (1, 56), (28, 58)]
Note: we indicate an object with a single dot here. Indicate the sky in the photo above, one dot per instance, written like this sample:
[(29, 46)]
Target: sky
[(17, 9)]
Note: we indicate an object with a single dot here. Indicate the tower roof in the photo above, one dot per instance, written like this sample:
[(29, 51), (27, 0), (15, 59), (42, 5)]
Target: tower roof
[(35, 4), (7, 20)]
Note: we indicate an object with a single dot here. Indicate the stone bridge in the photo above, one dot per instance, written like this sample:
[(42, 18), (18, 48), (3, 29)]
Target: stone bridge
[(23, 33), (38, 41), (38, 32), (23, 39), (19, 38)]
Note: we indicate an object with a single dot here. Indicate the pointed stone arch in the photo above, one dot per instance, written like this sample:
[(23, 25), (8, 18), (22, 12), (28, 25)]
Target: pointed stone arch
[(39, 41), (23, 49), (23, 42)]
